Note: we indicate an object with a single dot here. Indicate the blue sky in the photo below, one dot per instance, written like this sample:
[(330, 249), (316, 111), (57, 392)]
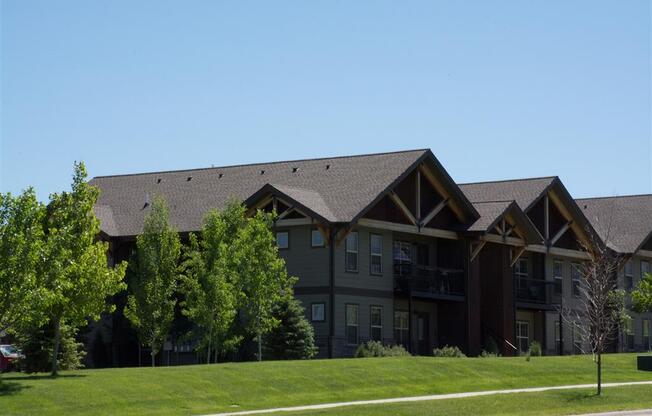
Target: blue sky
[(496, 89)]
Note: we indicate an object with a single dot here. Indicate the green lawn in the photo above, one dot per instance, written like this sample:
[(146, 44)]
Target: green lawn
[(240, 386)]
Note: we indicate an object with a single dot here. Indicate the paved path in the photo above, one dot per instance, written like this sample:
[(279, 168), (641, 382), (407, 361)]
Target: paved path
[(426, 398), (647, 412)]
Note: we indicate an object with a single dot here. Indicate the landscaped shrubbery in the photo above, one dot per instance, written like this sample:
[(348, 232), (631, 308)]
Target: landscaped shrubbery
[(377, 349), (449, 352), (535, 349)]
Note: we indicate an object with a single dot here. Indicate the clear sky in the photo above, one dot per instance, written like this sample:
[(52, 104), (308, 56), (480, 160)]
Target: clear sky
[(496, 89)]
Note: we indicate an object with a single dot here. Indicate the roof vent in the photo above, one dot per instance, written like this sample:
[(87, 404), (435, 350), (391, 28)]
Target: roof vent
[(158, 180), (262, 171), (328, 167), (294, 170), (147, 201), (189, 179), (220, 175)]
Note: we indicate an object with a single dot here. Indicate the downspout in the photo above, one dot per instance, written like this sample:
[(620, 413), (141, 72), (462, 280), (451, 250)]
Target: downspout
[(331, 290)]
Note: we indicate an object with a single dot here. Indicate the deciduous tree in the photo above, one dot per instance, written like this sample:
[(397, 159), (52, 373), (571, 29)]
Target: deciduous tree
[(74, 274), (153, 278)]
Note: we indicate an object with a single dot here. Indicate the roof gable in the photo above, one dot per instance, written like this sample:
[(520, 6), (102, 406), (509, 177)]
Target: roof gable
[(625, 222)]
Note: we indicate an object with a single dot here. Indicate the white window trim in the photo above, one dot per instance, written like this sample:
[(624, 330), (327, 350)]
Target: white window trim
[(371, 321), (519, 336), (312, 312), (349, 250), (356, 325), (288, 240), (372, 255)]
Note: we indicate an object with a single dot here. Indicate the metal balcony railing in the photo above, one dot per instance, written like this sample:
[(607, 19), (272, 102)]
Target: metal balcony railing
[(410, 278), (533, 290)]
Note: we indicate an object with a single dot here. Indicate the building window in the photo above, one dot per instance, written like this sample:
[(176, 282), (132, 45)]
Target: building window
[(377, 323), (629, 334), (558, 276), (645, 268), (352, 252), (283, 240), (576, 277), (523, 335), (316, 238), (376, 251), (647, 333), (318, 312), (401, 329), (557, 337), (629, 275), (351, 324), (577, 341), (402, 252), (522, 273)]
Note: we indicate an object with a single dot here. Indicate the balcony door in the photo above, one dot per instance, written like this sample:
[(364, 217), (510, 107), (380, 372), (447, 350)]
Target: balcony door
[(422, 332)]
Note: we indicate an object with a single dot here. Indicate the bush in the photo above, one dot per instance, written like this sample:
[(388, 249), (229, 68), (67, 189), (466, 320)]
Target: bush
[(488, 354), (36, 344), (535, 349), (449, 352), (491, 348), (377, 349)]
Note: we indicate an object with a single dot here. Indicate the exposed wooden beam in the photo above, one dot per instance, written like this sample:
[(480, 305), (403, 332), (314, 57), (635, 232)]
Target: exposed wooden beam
[(402, 207), (325, 232), (546, 218), (560, 233), (418, 192), (408, 229), (436, 210), (577, 229), (645, 253), (342, 237), (443, 192), (260, 204), (556, 251), (477, 249), (512, 241), (285, 213), (293, 221), (519, 252)]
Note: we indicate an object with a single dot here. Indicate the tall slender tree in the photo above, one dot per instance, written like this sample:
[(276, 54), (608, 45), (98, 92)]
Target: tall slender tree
[(154, 275), (209, 281), (263, 278), (21, 244), (74, 274)]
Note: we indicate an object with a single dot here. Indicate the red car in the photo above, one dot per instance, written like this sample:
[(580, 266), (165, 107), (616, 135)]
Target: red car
[(8, 356)]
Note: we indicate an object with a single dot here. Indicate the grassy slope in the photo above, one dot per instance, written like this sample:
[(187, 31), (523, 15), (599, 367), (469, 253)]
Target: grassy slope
[(213, 388), (566, 402)]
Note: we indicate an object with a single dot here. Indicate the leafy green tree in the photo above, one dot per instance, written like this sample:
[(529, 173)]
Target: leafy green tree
[(262, 275), (154, 278), (21, 244), (209, 282), (642, 296), (75, 277), (294, 337)]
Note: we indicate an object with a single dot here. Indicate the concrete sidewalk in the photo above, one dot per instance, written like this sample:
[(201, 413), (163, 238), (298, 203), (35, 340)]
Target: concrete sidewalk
[(647, 412), (431, 397)]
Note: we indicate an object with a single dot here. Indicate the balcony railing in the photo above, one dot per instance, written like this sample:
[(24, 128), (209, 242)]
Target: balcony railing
[(533, 290), (410, 278)]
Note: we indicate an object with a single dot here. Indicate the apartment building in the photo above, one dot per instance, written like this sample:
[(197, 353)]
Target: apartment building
[(386, 247)]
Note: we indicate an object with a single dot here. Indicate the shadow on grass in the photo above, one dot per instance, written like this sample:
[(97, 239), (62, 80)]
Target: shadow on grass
[(9, 388), (40, 377)]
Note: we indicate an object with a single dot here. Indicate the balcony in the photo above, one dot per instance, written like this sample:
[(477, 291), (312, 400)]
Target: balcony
[(435, 283), (537, 291)]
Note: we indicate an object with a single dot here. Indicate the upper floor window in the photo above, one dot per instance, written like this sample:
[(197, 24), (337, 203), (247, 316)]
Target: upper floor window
[(376, 252), (352, 252), (645, 267), (521, 269), (283, 239), (402, 252), (376, 323), (316, 238), (576, 277), (629, 274), (558, 276)]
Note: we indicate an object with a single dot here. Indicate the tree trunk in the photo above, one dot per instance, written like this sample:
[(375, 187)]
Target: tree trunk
[(153, 354), (260, 346), (599, 374), (208, 352), (55, 350)]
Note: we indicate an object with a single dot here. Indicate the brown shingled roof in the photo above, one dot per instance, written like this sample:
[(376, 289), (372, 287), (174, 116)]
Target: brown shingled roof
[(625, 222), (337, 188), (524, 191)]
